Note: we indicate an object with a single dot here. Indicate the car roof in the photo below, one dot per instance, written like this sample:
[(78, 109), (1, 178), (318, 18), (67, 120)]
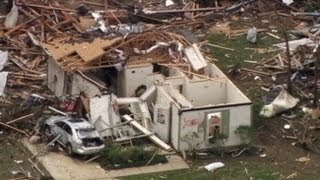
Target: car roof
[(75, 123)]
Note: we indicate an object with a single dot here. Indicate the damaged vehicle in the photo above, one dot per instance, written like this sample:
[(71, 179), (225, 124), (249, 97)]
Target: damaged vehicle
[(77, 135)]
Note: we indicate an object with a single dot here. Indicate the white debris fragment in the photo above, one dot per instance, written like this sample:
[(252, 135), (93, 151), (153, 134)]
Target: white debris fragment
[(169, 3), (263, 155), (3, 59), (287, 2), (257, 78), (284, 101), (252, 35), (287, 126), (98, 18), (152, 48), (213, 166), (12, 17), (3, 82)]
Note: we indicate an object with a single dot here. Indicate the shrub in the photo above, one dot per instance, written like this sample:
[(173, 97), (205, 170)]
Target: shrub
[(245, 133), (117, 156)]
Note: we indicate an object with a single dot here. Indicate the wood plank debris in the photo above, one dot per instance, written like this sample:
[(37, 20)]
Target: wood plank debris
[(153, 138)]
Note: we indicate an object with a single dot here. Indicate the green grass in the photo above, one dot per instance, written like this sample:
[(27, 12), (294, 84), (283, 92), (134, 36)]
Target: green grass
[(227, 58), (230, 172)]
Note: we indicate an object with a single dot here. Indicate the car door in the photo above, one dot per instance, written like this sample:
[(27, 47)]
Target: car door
[(67, 134), (57, 129)]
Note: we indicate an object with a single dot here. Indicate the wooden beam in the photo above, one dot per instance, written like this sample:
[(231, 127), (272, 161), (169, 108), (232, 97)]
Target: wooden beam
[(20, 118), (222, 80), (153, 138), (16, 129), (45, 7)]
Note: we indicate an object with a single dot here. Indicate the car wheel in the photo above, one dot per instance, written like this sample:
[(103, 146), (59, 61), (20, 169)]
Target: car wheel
[(69, 149)]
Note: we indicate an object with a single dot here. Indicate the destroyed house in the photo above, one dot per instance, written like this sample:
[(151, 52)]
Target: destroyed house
[(173, 95)]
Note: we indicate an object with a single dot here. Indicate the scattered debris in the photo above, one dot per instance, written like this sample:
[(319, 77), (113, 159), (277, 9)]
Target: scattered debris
[(252, 35), (211, 167), (284, 101), (303, 159)]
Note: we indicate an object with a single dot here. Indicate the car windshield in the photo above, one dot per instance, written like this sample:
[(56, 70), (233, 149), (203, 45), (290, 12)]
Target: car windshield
[(87, 132)]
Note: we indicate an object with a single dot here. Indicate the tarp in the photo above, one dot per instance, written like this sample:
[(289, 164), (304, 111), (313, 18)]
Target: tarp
[(284, 101)]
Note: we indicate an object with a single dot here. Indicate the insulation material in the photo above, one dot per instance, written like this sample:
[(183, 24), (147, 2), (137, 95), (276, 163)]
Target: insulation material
[(3, 82), (284, 101), (3, 59), (12, 17)]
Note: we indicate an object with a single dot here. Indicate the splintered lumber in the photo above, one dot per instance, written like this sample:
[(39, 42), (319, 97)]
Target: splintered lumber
[(20, 118), (257, 72), (57, 111), (222, 80), (183, 10), (272, 35), (36, 166), (218, 46), (152, 137), (16, 129), (45, 7)]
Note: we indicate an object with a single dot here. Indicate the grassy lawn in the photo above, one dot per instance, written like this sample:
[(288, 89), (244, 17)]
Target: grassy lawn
[(232, 171), (227, 58)]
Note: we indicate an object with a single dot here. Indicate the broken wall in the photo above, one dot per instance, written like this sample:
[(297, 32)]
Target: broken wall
[(132, 77), (104, 114), (56, 78), (234, 95), (162, 116), (80, 84), (205, 92), (195, 122)]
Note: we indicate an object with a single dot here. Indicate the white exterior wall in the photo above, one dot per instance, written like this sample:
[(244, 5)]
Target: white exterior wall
[(56, 85), (104, 114), (162, 106), (175, 126), (134, 76), (234, 95), (202, 93), (192, 121), (80, 84)]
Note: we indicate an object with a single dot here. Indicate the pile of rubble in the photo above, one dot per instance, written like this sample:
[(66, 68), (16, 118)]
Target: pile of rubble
[(31, 29)]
